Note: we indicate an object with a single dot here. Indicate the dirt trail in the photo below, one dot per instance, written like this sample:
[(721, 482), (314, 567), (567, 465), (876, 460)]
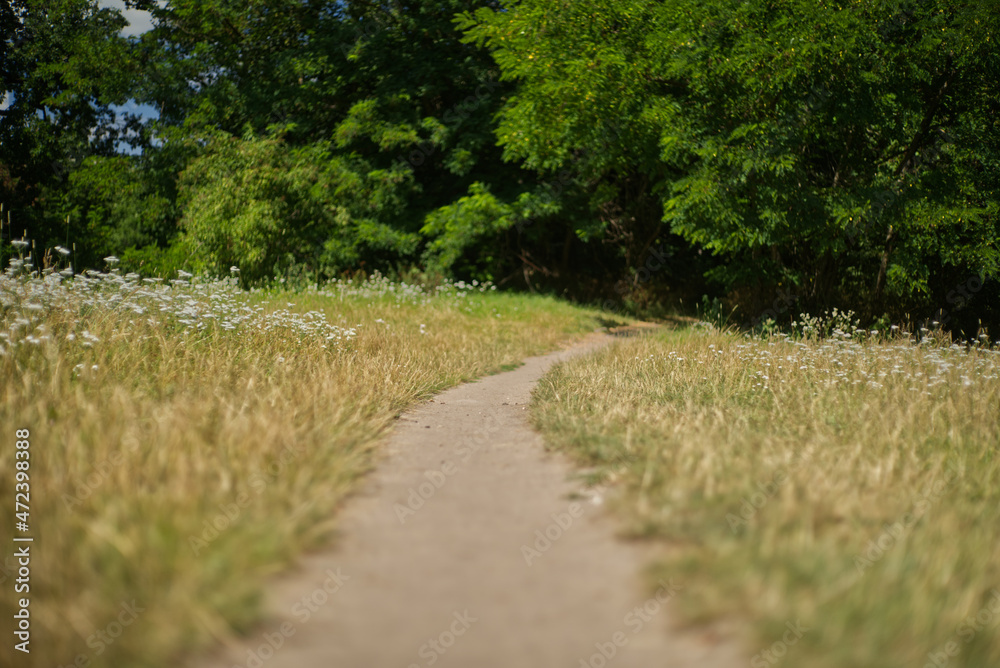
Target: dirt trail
[(444, 580)]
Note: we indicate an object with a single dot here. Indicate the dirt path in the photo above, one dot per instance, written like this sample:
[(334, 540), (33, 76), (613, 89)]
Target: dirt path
[(431, 566)]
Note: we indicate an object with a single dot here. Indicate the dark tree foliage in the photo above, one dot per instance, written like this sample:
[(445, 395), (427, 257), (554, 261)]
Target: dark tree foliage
[(844, 152), (385, 96), (63, 64)]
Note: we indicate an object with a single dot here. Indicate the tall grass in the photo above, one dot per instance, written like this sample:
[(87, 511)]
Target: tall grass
[(847, 484), (187, 438)]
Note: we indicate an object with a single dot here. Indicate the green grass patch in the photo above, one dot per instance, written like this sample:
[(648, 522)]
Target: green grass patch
[(851, 486)]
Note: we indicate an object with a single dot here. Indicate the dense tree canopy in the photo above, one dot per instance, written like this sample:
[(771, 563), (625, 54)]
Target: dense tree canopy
[(833, 152), (846, 151)]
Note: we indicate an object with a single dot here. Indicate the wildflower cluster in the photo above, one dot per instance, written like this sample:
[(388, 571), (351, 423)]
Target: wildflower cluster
[(846, 362), (835, 323), (32, 301), (757, 364), (379, 287)]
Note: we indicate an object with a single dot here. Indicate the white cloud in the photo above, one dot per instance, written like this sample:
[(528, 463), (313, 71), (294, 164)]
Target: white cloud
[(138, 22), (8, 97)]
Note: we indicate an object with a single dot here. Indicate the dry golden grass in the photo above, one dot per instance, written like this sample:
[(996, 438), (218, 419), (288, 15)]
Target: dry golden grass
[(850, 486), (156, 423)]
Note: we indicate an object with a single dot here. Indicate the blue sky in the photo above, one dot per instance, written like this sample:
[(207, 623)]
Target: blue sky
[(139, 22)]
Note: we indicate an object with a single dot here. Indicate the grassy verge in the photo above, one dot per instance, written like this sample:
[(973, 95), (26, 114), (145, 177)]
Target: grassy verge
[(188, 439), (850, 487)]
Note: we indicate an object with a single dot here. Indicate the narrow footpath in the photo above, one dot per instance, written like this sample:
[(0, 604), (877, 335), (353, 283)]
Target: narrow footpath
[(470, 546)]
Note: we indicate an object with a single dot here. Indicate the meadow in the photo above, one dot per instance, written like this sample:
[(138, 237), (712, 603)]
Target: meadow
[(834, 492), (188, 438)]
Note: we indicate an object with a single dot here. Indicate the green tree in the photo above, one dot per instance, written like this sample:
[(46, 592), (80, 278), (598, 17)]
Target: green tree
[(385, 87), (267, 207), (845, 151), (64, 64)]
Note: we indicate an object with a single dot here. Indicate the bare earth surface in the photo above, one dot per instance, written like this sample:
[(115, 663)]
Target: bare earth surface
[(445, 580)]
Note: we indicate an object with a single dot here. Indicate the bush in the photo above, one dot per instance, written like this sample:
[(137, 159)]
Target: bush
[(265, 206)]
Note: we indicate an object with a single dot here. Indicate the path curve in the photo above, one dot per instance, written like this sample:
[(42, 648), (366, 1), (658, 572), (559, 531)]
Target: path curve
[(431, 562)]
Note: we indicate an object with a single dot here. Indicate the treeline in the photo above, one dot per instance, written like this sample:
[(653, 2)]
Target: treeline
[(781, 155)]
